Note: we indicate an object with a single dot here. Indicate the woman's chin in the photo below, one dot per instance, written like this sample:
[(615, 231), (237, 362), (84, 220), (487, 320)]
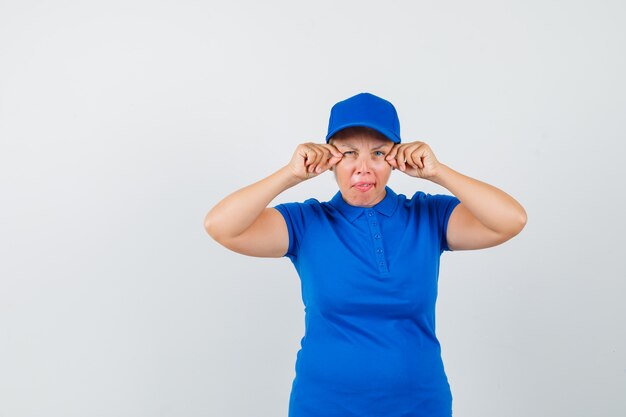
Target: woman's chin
[(367, 198)]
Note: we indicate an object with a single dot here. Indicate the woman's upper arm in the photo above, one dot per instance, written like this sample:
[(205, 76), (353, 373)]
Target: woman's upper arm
[(267, 237), (465, 232)]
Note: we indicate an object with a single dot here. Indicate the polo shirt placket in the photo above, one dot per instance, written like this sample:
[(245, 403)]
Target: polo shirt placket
[(372, 216), (377, 239)]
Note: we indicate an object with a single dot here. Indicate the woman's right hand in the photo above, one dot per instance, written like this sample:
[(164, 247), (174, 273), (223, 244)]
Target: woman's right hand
[(311, 159)]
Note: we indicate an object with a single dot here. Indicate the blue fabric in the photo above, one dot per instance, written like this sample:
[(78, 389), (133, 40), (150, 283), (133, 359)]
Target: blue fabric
[(369, 285)]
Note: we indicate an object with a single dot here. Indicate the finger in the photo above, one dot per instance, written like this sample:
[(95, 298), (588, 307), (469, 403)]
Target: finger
[(323, 164), (412, 155), (319, 156), (333, 150), (392, 157), (423, 151), (392, 153), (408, 155), (414, 159), (426, 152), (417, 156), (334, 157), (309, 157), (334, 160), (393, 162), (401, 157)]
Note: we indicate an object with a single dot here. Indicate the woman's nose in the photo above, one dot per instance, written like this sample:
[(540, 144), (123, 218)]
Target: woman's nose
[(363, 166)]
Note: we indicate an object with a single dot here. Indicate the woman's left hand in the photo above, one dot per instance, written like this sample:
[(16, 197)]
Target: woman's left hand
[(414, 158)]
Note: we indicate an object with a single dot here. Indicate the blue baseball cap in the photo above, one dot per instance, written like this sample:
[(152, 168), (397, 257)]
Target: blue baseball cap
[(365, 109)]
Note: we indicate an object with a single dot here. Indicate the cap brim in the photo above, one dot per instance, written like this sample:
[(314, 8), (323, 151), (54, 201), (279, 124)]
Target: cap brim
[(387, 133)]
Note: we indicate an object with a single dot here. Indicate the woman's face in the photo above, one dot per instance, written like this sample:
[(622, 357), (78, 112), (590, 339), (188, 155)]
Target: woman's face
[(362, 173)]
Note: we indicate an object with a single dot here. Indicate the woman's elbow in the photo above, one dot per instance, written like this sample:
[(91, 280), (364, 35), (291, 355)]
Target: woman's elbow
[(211, 226), (219, 229), (523, 219), (519, 225)]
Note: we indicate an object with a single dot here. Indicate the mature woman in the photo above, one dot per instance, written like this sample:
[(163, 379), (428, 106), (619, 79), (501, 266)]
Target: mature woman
[(368, 261)]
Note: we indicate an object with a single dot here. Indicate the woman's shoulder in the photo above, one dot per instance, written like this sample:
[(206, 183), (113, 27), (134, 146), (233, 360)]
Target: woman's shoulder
[(304, 209), (426, 196), (309, 203), (427, 201)]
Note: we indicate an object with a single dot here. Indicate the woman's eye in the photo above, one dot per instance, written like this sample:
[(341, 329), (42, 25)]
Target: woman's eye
[(379, 153), (348, 153)]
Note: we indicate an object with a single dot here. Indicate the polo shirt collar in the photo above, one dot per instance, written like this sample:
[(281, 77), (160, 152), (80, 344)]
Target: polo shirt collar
[(386, 206)]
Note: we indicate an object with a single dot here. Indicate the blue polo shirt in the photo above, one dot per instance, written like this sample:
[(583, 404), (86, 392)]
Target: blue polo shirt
[(369, 286)]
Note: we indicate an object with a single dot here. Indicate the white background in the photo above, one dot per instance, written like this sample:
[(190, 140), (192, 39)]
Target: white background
[(123, 122)]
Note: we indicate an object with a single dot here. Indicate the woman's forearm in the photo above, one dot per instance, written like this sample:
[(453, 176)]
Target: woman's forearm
[(238, 211), (493, 207)]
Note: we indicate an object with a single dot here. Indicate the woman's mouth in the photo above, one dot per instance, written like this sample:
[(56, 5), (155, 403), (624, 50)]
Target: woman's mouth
[(363, 186)]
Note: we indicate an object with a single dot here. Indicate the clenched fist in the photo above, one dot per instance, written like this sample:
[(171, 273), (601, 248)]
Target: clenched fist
[(311, 159), (414, 158)]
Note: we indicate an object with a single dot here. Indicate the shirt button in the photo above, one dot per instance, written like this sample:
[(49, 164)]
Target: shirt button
[(381, 263), (379, 250), (377, 236), (369, 213)]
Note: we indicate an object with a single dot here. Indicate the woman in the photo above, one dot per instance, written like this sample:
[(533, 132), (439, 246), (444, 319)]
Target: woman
[(368, 261)]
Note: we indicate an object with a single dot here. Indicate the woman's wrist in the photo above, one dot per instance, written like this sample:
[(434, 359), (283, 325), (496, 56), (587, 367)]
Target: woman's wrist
[(442, 174), (287, 177)]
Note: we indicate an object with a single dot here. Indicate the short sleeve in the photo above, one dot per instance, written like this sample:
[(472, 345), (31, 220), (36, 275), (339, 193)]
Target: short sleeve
[(295, 215), (443, 206)]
